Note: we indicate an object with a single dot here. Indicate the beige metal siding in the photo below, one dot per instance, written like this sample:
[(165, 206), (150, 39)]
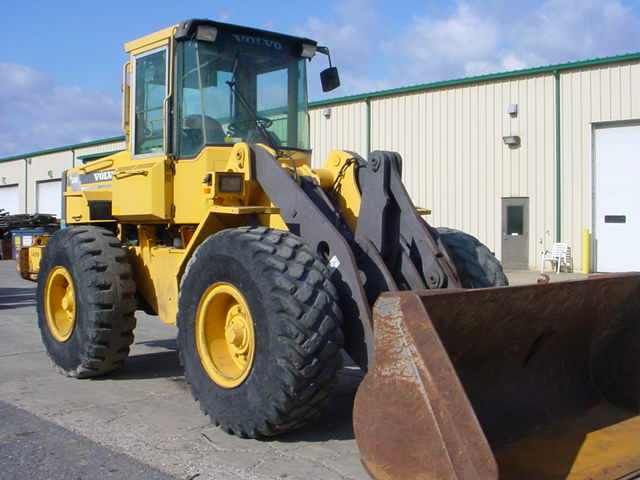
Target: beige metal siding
[(344, 129), (455, 161), (103, 148), (12, 173), (43, 168), (603, 94)]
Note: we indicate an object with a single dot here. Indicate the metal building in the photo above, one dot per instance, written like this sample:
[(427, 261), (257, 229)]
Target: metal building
[(520, 159), (31, 182)]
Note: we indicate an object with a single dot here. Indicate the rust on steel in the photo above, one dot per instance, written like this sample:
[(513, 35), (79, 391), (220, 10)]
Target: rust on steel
[(538, 381)]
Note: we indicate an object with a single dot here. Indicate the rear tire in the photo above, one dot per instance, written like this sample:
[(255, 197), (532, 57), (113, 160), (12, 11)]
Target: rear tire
[(99, 331), (296, 331), (477, 266)]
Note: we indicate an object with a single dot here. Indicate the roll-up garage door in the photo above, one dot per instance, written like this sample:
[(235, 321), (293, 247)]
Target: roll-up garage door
[(9, 200), (617, 199), (49, 196)]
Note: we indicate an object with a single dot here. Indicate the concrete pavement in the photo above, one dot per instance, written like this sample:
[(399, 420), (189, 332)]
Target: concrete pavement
[(142, 422)]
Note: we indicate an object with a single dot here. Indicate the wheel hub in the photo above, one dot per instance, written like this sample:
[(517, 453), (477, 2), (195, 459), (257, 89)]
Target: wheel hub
[(224, 335), (60, 304)]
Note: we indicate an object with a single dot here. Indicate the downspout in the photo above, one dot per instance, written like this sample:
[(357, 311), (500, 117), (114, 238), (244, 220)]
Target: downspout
[(26, 186), (368, 114), (556, 75)]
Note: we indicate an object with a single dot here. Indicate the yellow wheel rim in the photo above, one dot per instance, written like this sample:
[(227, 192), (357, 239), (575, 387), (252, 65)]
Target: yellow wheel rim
[(225, 338), (60, 304)]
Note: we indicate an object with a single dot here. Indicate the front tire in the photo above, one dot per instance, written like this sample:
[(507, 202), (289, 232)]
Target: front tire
[(86, 301), (477, 266), (263, 286)]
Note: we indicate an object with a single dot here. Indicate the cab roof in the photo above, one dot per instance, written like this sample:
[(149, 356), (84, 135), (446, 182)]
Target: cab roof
[(187, 29)]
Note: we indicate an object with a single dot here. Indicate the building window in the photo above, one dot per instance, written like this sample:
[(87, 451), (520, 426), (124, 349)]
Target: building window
[(515, 220)]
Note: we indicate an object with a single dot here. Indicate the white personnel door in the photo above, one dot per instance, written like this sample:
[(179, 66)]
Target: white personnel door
[(617, 198), (49, 197), (9, 200)]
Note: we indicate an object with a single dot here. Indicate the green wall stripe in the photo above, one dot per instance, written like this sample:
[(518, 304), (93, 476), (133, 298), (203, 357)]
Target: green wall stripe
[(368, 114), (558, 159)]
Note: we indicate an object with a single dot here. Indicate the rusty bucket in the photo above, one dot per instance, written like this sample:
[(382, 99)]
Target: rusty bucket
[(531, 382)]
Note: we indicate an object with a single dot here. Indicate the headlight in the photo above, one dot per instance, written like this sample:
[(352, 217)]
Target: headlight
[(230, 182), (207, 33), (308, 51)]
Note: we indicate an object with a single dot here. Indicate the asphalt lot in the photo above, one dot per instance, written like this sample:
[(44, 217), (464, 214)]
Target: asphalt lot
[(142, 422)]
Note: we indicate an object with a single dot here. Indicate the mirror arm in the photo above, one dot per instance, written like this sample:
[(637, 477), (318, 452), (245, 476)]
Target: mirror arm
[(325, 51)]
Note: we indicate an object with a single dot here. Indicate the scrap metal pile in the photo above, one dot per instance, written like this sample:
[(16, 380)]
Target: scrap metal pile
[(9, 222)]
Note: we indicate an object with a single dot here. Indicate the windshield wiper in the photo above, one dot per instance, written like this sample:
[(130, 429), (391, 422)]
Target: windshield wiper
[(252, 111)]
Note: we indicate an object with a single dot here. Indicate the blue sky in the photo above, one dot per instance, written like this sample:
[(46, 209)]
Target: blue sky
[(60, 62)]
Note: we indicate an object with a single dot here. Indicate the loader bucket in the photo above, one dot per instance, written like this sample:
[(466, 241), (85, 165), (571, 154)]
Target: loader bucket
[(531, 382)]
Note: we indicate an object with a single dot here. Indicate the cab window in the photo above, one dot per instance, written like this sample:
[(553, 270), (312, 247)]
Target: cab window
[(150, 92)]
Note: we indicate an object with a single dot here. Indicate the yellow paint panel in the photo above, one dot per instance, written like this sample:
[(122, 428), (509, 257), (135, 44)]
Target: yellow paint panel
[(142, 191), (155, 271), (337, 166), (153, 40)]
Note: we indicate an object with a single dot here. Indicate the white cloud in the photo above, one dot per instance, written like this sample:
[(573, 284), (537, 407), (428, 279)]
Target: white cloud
[(489, 36), (559, 30), (349, 30), (36, 112), (462, 35)]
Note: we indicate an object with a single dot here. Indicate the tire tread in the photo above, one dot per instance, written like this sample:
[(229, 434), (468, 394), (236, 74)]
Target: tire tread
[(310, 332)]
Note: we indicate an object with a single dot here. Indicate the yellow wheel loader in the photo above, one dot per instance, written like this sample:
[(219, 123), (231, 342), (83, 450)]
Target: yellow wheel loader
[(214, 220)]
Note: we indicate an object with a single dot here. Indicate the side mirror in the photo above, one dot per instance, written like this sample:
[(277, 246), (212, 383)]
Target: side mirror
[(330, 79)]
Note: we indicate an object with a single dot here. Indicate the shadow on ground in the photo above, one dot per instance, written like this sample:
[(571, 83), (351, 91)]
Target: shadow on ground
[(168, 343), (150, 365), (17, 297), (336, 423)]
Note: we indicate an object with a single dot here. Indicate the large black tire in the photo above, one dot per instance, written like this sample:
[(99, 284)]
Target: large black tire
[(477, 266), (104, 299), (297, 324)]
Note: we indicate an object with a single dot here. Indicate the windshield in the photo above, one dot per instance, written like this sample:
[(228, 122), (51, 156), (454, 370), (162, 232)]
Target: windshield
[(229, 92)]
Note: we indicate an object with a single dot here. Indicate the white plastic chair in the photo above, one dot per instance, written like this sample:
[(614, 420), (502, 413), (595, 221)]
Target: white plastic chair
[(559, 255)]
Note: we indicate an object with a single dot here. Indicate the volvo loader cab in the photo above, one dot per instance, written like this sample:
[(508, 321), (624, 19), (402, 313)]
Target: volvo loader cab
[(214, 220), (213, 84)]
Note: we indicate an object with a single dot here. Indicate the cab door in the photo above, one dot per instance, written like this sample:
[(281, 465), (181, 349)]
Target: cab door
[(142, 189)]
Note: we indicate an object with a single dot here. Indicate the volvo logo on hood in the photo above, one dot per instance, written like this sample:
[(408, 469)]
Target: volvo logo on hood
[(257, 41), (103, 176), (96, 177)]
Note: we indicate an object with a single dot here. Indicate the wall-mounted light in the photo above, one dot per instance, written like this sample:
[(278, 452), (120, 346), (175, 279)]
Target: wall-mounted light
[(4, 180), (50, 173), (512, 141), (327, 113), (512, 109)]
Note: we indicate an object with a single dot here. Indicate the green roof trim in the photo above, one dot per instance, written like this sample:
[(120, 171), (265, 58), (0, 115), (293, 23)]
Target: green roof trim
[(75, 146), (546, 69)]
